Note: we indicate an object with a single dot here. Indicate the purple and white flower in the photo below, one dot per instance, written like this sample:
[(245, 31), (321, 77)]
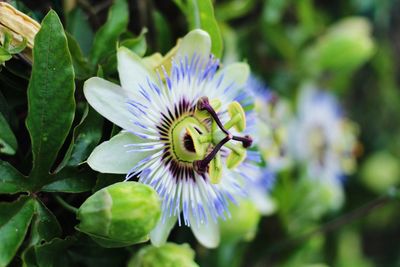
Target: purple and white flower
[(184, 133)]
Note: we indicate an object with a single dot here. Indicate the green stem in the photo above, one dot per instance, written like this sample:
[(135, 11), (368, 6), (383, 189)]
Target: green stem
[(63, 203)]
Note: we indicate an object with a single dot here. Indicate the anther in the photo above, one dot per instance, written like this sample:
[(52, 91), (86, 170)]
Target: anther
[(200, 166), (247, 141)]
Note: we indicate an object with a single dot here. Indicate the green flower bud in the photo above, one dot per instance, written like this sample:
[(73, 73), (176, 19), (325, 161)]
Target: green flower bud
[(170, 254), (381, 171), (120, 215), (243, 224)]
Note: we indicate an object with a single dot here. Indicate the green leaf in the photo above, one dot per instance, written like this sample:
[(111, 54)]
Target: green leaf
[(163, 32), (54, 253), (11, 180), (273, 11), (7, 39), (107, 36), (79, 27), (71, 180), (8, 142), (14, 222), (200, 14), (19, 48), (137, 44), (45, 226), (4, 106), (234, 9), (86, 136), (90, 254), (81, 65), (51, 103), (4, 55)]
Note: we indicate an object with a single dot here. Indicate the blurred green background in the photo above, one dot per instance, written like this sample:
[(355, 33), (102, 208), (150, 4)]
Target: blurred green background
[(349, 47)]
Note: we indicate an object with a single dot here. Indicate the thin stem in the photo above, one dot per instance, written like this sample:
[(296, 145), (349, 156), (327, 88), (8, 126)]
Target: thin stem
[(63, 203), (204, 104)]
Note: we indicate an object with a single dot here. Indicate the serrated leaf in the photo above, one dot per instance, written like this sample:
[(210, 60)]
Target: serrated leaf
[(51, 104), (14, 222), (107, 36), (11, 180), (200, 15), (71, 180), (8, 142)]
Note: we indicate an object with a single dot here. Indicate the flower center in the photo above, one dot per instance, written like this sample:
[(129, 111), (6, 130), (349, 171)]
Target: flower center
[(197, 136), (183, 145)]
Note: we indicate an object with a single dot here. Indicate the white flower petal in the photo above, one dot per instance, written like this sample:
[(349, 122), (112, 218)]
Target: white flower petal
[(132, 72), (160, 233), (113, 157), (195, 42), (235, 72), (265, 204), (206, 233), (109, 100)]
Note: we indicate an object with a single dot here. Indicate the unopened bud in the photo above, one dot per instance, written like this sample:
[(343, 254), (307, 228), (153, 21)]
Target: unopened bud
[(120, 215), (169, 254)]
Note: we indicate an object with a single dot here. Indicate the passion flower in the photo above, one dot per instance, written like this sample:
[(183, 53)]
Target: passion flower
[(184, 133)]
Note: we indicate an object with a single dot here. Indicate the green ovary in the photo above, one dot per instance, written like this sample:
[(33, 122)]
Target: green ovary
[(183, 139)]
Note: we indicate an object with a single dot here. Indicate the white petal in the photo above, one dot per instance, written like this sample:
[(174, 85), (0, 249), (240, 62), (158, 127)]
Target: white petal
[(264, 203), (195, 42), (112, 156), (132, 72), (160, 233), (206, 233), (109, 100), (236, 72)]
